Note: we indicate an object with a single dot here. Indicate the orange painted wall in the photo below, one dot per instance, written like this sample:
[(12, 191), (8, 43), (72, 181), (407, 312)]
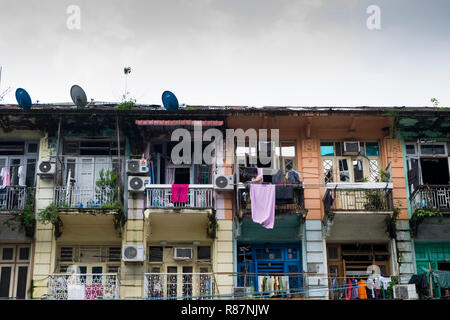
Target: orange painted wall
[(309, 131)]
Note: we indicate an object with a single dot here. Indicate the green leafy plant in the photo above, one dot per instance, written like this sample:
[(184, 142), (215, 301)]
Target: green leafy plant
[(391, 221), (50, 214), (128, 102), (384, 175), (26, 218), (213, 225), (419, 215), (390, 289)]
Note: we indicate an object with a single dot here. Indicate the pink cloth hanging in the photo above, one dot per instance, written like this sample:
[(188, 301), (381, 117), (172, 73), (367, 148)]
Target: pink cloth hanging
[(262, 197), (180, 192), (6, 176)]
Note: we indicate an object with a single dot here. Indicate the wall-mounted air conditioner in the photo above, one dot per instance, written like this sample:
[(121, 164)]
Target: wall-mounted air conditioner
[(224, 182), (241, 292), (182, 253), (405, 292), (46, 169), (351, 147), (137, 166), (137, 183), (133, 253)]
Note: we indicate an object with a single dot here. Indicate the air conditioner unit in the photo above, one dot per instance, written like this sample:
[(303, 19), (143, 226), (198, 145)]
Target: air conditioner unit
[(241, 292), (182, 253), (405, 292), (351, 147), (224, 182), (133, 253), (137, 183), (46, 169), (137, 166)]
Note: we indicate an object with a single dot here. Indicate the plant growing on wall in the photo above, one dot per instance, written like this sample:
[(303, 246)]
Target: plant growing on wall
[(212, 225), (419, 215), (51, 215), (390, 289), (108, 180), (26, 218), (391, 221), (127, 102)]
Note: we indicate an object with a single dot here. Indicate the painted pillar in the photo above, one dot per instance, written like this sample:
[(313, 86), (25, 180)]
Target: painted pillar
[(45, 246), (316, 285), (404, 246)]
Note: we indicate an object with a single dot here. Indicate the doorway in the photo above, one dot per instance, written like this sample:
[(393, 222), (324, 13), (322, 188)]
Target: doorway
[(434, 170)]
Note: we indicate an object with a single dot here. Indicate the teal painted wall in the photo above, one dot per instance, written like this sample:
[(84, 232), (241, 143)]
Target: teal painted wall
[(286, 229)]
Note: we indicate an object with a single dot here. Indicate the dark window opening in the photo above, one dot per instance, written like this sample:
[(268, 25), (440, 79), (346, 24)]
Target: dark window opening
[(204, 253), (156, 254)]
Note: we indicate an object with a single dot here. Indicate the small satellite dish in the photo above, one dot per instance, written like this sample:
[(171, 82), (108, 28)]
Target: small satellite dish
[(23, 99), (169, 100), (78, 96)]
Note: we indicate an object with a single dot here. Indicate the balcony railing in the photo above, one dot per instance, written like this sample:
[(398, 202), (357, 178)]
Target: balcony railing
[(13, 197), (431, 197), (81, 197), (83, 286), (358, 197), (197, 286), (294, 205), (199, 197)]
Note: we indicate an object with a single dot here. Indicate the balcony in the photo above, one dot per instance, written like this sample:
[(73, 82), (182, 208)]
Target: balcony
[(197, 286), (358, 198), (293, 206), (13, 198), (83, 286), (199, 197), (436, 197), (81, 197)]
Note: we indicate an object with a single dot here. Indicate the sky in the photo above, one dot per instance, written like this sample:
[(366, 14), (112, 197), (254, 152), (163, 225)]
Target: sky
[(229, 52)]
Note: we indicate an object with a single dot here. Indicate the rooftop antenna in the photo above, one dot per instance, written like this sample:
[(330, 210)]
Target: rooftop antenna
[(170, 101), (5, 92), (78, 96)]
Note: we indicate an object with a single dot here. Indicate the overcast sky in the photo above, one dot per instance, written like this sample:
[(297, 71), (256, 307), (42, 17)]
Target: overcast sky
[(229, 52)]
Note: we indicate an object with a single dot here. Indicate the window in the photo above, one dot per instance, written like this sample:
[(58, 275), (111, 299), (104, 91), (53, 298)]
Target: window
[(433, 149), (12, 148), (340, 167), (156, 254), (7, 254), (204, 253), (411, 149), (93, 147), (114, 254), (14, 271), (285, 156)]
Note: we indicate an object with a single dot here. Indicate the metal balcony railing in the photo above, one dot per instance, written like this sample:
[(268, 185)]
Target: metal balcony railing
[(431, 197), (13, 197), (294, 205), (81, 197), (83, 286), (197, 286), (199, 197), (358, 197)]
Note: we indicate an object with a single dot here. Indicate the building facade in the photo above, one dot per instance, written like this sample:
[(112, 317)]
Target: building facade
[(93, 204)]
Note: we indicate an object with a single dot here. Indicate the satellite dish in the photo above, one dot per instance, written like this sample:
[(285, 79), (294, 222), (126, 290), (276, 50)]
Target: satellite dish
[(23, 99), (169, 100), (78, 96)]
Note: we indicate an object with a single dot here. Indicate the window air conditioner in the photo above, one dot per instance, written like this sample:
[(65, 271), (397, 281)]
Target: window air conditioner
[(137, 166), (133, 253), (224, 182), (351, 147), (137, 183), (182, 253), (405, 292), (46, 169), (241, 292)]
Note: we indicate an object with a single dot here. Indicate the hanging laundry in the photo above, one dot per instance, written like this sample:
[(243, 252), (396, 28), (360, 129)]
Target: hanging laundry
[(262, 198), (21, 174), (170, 175), (441, 278), (355, 289), (385, 281), (362, 289), (6, 176), (349, 290), (180, 192)]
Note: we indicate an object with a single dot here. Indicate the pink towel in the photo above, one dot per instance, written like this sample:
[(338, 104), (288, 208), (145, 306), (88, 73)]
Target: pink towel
[(6, 176), (180, 192), (262, 197)]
